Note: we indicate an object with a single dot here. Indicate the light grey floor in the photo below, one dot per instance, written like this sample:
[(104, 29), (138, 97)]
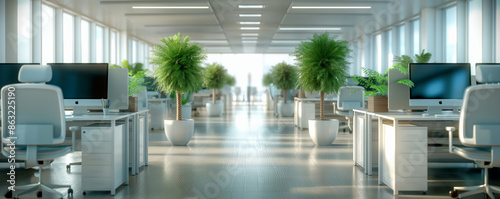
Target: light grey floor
[(248, 153)]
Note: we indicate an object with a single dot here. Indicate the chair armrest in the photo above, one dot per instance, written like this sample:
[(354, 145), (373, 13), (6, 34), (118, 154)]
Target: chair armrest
[(486, 134), (450, 130)]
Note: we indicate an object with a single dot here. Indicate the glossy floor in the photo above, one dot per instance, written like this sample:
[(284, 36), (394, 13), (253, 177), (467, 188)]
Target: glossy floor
[(248, 153)]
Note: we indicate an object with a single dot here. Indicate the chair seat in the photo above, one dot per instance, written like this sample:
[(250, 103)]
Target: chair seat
[(474, 153), (44, 152), (344, 113)]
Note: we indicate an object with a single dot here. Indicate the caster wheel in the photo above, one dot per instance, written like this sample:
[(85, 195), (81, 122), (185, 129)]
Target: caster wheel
[(84, 193), (486, 196), (70, 192), (8, 194), (68, 167), (454, 194), (424, 193), (39, 194)]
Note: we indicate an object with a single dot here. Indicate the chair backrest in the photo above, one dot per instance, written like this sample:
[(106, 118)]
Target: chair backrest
[(39, 109), (350, 97)]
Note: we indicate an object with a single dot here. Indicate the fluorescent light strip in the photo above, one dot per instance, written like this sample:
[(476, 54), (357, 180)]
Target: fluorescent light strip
[(250, 22), (248, 38), (250, 28), (250, 34), (331, 7), (312, 28), (250, 15), (250, 6), (170, 7), (249, 42)]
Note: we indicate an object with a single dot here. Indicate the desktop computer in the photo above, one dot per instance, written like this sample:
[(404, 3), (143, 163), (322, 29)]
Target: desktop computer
[(438, 85)]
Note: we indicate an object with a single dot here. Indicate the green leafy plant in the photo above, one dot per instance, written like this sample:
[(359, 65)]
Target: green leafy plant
[(230, 80), (178, 67), (323, 65), (376, 81), (402, 63), (267, 79), (134, 68), (215, 78), (136, 82), (284, 76)]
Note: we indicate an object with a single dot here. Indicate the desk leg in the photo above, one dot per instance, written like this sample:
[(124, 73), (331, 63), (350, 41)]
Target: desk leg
[(135, 140), (146, 139), (127, 153), (368, 150), (381, 146), (354, 137), (396, 133)]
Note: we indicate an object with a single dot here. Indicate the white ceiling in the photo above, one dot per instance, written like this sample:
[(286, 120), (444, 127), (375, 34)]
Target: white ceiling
[(218, 29)]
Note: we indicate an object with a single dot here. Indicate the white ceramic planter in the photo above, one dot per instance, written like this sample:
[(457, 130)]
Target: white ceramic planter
[(179, 132), (185, 112), (323, 132), (214, 110), (285, 110)]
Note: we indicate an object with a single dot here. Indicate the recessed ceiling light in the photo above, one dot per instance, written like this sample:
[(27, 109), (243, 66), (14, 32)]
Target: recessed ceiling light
[(250, 22), (310, 28), (210, 41), (248, 38), (170, 7), (249, 42), (285, 41), (250, 34), (250, 15), (331, 7), (250, 6), (250, 28)]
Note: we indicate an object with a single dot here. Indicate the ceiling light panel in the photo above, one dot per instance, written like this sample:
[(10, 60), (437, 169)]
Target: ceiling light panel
[(250, 15), (249, 42), (250, 6), (250, 28), (310, 28), (331, 7), (250, 34), (249, 22), (170, 7), (248, 38)]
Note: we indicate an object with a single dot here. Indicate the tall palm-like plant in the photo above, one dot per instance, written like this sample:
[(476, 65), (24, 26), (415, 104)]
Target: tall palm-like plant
[(284, 77), (215, 78), (323, 65), (179, 67), (267, 79)]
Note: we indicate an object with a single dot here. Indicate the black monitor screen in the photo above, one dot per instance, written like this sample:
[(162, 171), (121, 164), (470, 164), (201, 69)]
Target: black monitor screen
[(439, 81), (81, 80), (10, 71)]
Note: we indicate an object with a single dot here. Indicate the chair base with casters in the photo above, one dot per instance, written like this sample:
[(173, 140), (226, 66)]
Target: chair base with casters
[(39, 187), (348, 115), (482, 157), (73, 130)]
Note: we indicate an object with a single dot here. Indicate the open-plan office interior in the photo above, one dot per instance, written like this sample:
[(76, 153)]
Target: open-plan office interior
[(250, 99)]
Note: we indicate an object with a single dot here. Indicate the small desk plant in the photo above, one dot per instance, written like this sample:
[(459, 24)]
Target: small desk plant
[(214, 79), (284, 78), (323, 67), (178, 70)]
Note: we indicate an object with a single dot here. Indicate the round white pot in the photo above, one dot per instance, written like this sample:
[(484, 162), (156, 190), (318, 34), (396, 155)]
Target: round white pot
[(214, 110), (179, 132), (185, 111), (285, 110), (323, 132)]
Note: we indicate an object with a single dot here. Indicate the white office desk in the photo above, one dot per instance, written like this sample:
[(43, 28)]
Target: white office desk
[(364, 136)]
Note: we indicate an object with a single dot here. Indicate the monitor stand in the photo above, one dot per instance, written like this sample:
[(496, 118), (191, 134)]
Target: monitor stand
[(433, 110), (80, 110)]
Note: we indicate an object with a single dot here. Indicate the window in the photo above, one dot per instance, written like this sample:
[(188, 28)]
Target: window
[(48, 34), (85, 34), (389, 48), (99, 44), (401, 30), (112, 48), (474, 30), (134, 52), (378, 53), (140, 52), (415, 28), (68, 38), (497, 20), (450, 47)]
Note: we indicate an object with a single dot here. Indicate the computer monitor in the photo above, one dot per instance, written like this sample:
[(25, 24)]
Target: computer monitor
[(83, 84), (9, 72), (438, 85), (487, 72)]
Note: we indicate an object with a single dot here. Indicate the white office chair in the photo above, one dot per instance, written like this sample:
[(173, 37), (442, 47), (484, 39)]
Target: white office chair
[(479, 130), (39, 125), (348, 99)]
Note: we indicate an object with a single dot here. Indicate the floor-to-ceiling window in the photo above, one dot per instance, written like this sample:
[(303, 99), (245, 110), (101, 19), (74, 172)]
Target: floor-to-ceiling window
[(474, 33), (450, 47), (48, 34), (401, 39), (99, 44), (390, 54), (134, 52), (68, 38), (112, 48), (415, 33), (85, 41), (497, 36), (378, 52)]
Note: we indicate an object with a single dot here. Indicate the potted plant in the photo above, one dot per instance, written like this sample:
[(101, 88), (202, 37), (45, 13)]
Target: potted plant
[(267, 80), (214, 79), (375, 88), (186, 99), (178, 70), (284, 78), (323, 67), (135, 86), (230, 82)]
